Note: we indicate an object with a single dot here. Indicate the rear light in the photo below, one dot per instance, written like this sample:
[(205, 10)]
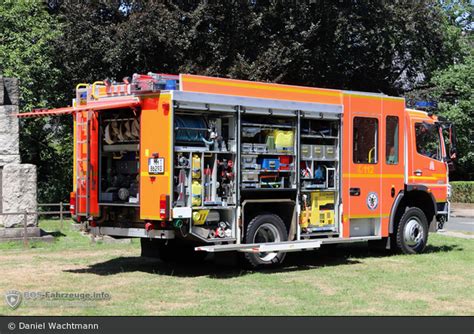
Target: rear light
[(166, 108), (164, 207), (72, 203)]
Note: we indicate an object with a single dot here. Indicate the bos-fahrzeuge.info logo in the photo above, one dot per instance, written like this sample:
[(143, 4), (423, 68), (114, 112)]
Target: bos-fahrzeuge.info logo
[(13, 298)]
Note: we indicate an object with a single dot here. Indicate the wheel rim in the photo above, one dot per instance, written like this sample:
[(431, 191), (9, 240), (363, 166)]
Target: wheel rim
[(413, 233), (267, 233)]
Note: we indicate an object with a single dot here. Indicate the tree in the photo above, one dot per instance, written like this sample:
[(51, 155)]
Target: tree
[(113, 39), (357, 45), (27, 32), (362, 45), (451, 86), (453, 89)]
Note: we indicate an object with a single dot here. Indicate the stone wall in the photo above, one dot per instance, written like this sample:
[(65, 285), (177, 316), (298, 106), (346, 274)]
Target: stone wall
[(17, 181)]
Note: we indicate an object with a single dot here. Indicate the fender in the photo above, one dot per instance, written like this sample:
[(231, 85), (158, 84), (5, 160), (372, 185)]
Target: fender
[(403, 194), (268, 204), (394, 209)]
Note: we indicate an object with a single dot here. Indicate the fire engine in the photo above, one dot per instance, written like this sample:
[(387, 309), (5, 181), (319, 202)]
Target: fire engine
[(194, 164)]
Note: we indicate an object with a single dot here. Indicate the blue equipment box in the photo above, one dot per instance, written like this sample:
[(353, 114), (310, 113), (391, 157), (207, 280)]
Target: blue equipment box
[(272, 164)]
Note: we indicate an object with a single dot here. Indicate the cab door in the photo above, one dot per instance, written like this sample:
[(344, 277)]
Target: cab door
[(426, 166), (362, 182), (393, 157)]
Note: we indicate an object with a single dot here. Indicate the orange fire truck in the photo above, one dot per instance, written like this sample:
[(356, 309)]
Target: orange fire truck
[(193, 164)]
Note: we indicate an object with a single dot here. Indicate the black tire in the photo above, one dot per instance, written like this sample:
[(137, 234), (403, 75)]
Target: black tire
[(412, 232), (173, 250), (264, 228)]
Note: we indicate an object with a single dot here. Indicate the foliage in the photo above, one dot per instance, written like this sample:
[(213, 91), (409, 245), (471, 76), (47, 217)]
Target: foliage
[(462, 192), (369, 46), (453, 89), (113, 39), (372, 46), (451, 86), (27, 32), (358, 45)]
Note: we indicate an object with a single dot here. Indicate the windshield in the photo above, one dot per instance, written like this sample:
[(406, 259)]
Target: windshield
[(428, 141)]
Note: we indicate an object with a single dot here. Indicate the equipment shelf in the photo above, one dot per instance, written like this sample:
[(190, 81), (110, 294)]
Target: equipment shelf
[(327, 233), (120, 204), (319, 137), (310, 190), (198, 150), (267, 171), (268, 189), (318, 159), (269, 153), (272, 126), (229, 207), (120, 147)]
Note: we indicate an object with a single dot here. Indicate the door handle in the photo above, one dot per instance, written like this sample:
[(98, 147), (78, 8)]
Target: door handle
[(418, 172), (354, 191)]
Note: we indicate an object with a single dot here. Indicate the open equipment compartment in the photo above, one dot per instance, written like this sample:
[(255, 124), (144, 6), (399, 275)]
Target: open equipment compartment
[(204, 184), (268, 154), (119, 138), (319, 176)]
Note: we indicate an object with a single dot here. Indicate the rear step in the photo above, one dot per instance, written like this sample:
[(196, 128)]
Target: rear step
[(286, 246)]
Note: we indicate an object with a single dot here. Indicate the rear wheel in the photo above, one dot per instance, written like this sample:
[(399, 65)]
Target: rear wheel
[(265, 228), (412, 232)]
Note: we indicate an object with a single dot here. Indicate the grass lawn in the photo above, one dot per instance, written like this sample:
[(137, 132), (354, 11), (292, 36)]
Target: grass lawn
[(349, 280)]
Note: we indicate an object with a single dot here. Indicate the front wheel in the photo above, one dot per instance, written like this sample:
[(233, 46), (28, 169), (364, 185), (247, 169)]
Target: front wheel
[(412, 232), (265, 228)]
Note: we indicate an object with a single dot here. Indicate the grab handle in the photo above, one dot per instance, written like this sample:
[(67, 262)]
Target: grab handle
[(354, 191)]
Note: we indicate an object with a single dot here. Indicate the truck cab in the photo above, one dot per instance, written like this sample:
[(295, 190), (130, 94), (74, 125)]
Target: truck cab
[(429, 163)]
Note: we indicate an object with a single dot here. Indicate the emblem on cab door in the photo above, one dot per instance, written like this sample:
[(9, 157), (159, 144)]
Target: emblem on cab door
[(372, 201)]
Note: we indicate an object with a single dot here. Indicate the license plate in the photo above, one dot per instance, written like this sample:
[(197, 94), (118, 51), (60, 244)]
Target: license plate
[(156, 165)]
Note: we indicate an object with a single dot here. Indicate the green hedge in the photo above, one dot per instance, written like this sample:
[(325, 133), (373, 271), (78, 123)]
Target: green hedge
[(462, 192)]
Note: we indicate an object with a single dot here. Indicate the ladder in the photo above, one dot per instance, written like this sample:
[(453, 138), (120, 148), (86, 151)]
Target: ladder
[(83, 162)]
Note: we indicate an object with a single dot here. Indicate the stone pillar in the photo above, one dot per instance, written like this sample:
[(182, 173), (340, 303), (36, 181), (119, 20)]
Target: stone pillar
[(9, 136), (18, 194), (17, 181)]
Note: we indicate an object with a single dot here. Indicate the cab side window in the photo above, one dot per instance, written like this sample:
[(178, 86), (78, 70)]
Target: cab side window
[(391, 146), (365, 140), (427, 140)]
